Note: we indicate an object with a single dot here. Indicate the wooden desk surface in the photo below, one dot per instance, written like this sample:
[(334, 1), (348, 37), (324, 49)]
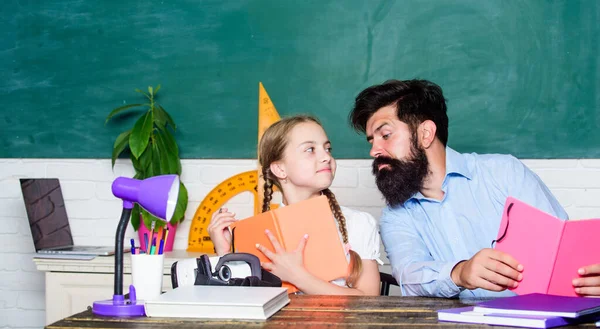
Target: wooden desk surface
[(308, 311)]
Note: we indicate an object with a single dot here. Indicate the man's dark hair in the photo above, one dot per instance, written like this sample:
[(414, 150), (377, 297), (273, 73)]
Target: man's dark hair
[(415, 100)]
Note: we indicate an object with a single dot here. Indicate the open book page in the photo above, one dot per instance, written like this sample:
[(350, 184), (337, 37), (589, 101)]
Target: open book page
[(532, 237), (578, 248)]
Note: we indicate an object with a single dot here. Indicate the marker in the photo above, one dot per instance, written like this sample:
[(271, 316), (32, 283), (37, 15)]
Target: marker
[(152, 247), (160, 248), (152, 233), (146, 242), (166, 235)]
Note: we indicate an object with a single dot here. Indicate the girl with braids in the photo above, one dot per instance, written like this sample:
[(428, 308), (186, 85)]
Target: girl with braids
[(294, 154)]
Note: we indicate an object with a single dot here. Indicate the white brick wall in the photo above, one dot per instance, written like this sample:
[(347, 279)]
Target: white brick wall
[(94, 212)]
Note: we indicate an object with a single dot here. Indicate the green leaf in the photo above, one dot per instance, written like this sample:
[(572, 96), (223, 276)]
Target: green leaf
[(143, 93), (141, 164), (155, 165), (163, 155), (149, 218), (150, 90), (145, 161), (119, 110), (167, 117), (137, 165), (156, 90), (159, 118), (159, 223), (167, 157), (182, 201), (120, 144), (135, 217), (140, 135), (170, 141), (174, 165)]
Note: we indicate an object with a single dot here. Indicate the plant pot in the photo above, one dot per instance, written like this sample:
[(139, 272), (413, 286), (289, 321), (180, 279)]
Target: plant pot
[(170, 239)]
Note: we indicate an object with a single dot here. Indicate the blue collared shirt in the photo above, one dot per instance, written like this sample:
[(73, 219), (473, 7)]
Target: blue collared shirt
[(425, 238)]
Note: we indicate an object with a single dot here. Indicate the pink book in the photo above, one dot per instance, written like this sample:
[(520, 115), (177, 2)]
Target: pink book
[(550, 249)]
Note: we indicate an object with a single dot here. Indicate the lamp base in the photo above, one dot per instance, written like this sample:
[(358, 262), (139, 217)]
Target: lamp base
[(119, 306)]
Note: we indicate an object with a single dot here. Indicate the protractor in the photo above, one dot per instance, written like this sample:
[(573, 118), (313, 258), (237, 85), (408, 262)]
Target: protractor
[(199, 239)]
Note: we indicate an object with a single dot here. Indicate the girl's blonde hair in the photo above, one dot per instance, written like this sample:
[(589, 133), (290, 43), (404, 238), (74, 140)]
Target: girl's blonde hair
[(270, 149)]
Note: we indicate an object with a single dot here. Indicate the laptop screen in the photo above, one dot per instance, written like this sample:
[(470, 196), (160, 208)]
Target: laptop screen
[(46, 213)]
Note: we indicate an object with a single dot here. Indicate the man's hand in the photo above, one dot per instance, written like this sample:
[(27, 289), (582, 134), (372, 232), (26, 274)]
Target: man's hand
[(489, 269), (589, 282)]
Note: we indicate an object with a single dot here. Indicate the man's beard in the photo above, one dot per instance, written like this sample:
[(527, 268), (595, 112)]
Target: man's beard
[(401, 179)]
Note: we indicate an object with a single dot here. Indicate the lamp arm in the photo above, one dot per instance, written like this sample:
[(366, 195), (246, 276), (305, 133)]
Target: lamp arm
[(119, 241)]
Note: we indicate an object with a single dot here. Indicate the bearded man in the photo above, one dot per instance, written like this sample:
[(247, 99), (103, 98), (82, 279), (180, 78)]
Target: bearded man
[(444, 208)]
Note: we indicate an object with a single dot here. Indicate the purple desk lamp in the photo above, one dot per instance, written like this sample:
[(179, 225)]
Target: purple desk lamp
[(158, 195)]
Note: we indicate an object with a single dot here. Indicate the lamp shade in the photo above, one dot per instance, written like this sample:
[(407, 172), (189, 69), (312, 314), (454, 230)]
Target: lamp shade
[(158, 194)]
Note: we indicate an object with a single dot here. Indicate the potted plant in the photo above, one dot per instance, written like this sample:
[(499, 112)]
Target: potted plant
[(153, 151)]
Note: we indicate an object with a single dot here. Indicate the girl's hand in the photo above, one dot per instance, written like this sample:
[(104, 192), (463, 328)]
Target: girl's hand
[(218, 229), (288, 266)]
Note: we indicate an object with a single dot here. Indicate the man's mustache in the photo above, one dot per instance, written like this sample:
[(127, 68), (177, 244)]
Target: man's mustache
[(383, 160)]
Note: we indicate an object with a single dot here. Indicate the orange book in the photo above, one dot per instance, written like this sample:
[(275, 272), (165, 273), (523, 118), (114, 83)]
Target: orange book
[(324, 255)]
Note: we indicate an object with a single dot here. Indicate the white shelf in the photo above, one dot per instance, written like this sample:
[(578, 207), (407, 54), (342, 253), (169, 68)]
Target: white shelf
[(72, 285)]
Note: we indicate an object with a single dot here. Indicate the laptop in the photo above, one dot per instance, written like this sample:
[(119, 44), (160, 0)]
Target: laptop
[(49, 222)]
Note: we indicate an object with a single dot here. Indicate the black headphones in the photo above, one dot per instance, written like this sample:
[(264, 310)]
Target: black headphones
[(222, 274)]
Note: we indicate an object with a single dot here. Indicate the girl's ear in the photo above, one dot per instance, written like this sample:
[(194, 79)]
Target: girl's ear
[(278, 169)]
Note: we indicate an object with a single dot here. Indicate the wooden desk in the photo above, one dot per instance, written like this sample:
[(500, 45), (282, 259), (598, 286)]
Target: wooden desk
[(306, 312)]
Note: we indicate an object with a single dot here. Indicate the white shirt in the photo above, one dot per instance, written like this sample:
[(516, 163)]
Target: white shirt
[(363, 237)]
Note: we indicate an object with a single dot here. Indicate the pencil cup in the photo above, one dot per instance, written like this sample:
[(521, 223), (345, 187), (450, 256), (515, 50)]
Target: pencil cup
[(147, 275)]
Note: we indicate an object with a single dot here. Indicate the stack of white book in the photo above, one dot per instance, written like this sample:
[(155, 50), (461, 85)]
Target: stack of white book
[(219, 302)]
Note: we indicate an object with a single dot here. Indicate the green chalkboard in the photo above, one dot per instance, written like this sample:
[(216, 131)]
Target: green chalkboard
[(521, 76)]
